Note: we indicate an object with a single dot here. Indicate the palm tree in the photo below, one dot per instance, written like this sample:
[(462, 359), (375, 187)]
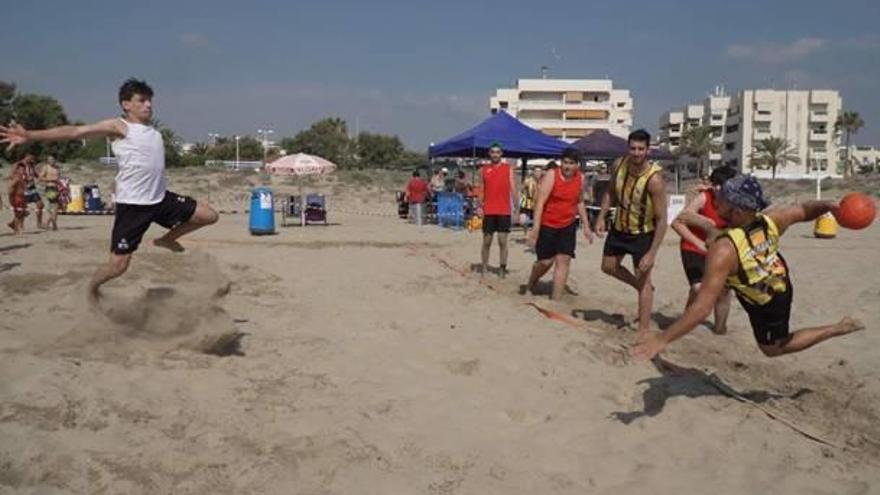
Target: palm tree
[(774, 152), (697, 142), (199, 149), (849, 123)]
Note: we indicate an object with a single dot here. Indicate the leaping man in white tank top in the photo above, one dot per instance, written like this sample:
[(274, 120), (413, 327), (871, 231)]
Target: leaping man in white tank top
[(141, 194)]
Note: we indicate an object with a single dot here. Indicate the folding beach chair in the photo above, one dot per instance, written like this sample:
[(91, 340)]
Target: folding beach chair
[(316, 209), (291, 208)]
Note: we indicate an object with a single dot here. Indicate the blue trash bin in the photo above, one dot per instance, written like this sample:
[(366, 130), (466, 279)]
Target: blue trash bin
[(262, 216)]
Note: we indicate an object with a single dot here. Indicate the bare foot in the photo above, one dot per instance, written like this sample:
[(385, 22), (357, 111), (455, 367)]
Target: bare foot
[(642, 335), (173, 246), (719, 330), (848, 325), (11, 225)]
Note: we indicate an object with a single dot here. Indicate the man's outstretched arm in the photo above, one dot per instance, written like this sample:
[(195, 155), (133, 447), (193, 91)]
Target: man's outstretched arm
[(786, 216), (15, 134)]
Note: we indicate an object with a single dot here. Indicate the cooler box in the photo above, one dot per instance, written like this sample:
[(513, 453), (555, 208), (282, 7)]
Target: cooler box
[(262, 215)]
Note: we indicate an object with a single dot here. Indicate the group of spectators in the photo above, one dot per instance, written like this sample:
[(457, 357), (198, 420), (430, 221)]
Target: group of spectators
[(22, 190)]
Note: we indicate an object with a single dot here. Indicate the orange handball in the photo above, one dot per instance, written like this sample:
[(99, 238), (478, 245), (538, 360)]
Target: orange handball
[(857, 211)]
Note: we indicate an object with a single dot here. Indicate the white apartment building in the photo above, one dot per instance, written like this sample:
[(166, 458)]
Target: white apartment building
[(712, 112), (804, 118), (567, 108)]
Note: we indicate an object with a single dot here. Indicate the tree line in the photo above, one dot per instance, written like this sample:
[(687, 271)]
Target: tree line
[(327, 138)]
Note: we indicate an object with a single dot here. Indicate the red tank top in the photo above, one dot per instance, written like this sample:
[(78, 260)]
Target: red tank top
[(496, 189), (709, 211), (561, 207)]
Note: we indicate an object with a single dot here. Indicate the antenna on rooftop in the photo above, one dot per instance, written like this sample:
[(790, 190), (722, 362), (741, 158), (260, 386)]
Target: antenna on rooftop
[(544, 70)]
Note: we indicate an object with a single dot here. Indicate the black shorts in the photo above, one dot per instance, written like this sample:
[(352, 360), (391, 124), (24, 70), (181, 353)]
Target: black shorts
[(693, 264), (556, 241), (622, 243), (132, 221), (496, 223), (32, 196), (770, 321)]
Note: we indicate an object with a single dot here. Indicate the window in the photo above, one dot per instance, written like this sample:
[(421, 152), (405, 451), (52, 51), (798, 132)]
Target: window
[(503, 104), (732, 128), (621, 104), (620, 121), (730, 146)]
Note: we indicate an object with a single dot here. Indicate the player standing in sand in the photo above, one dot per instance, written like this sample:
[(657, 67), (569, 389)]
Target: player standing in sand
[(639, 193), (746, 259), (141, 194), (499, 193), (16, 189)]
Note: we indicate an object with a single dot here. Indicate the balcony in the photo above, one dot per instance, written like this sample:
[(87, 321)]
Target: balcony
[(560, 105), (819, 154), (568, 124), (763, 117), (819, 135), (819, 117), (762, 131)]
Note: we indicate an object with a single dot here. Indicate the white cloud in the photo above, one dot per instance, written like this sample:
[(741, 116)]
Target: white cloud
[(775, 53), (194, 39)]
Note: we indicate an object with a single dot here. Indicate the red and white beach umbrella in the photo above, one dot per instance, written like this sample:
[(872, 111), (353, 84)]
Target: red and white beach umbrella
[(300, 164)]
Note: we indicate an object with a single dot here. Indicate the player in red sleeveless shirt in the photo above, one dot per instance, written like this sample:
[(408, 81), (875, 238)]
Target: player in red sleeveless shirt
[(554, 235), (701, 214), (499, 193)]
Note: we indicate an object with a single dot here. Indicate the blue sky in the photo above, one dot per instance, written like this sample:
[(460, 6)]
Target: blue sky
[(425, 70)]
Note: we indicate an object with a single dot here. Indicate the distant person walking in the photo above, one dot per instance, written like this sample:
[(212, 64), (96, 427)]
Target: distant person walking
[(16, 184), (417, 194), (438, 181), (31, 194), (528, 197), (50, 177)]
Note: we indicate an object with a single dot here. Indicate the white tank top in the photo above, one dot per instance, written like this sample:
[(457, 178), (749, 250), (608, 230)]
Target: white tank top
[(141, 159)]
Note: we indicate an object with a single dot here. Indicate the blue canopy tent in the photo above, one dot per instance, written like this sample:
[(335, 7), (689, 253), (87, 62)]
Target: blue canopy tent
[(516, 139)]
